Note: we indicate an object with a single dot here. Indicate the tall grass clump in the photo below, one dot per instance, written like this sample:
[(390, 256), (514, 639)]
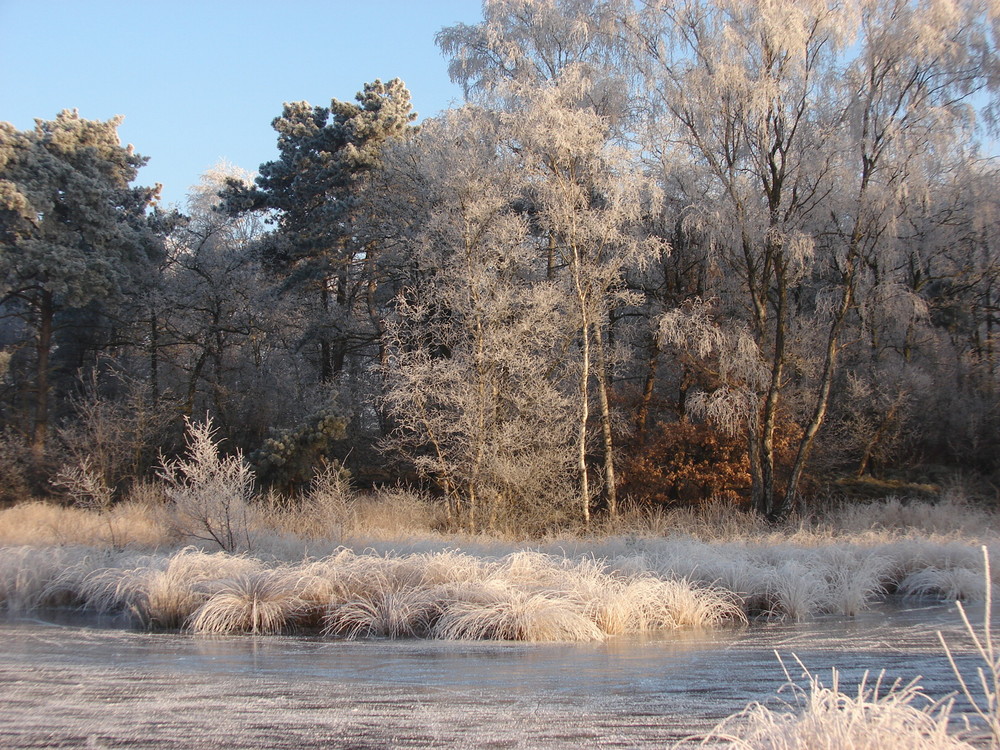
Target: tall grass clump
[(163, 592), (386, 613), (34, 577), (501, 611), (854, 577), (258, 602)]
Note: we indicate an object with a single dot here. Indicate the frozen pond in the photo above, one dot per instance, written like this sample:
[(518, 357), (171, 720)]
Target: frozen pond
[(67, 682)]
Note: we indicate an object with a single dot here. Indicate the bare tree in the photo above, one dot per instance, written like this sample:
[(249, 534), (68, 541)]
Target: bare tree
[(474, 368), (799, 130), (587, 201)]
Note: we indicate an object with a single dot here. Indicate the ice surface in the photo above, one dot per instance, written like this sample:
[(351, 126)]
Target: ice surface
[(75, 683)]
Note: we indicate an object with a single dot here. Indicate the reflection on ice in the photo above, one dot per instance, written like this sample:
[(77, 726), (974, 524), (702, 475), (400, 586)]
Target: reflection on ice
[(74, 682)]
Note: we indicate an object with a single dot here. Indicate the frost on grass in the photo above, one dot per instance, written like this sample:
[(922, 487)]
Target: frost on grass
[(33, 577), (162, 592), (826, 718), (525, 596), (406, 613), (261, 602), (983, 691), (513, 614), (875, 717), (569, 590)]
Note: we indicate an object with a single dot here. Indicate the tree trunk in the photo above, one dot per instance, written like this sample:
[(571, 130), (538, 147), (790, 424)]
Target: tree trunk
[(609, 453), (883, 427), (43, 347), (581, 461), (192, 389), (584, 388), (325, 353), (340, 347), (823, 398), (154, 359), (769, 419), (218, 350), (649, 384)]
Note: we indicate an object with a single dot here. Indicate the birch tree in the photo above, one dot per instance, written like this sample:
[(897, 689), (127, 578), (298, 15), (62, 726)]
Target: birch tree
[(549, 67), (527, 42), (473, 373), (587, 202), (807, 124)]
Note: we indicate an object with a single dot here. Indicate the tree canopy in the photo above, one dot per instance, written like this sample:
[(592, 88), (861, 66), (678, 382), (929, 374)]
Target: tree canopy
[(668, 252), (74, 230)]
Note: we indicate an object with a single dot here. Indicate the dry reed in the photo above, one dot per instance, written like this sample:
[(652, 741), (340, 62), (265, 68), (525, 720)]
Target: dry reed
[(876, 717)]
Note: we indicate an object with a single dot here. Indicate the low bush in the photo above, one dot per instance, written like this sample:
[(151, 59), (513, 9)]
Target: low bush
[(210, 493)]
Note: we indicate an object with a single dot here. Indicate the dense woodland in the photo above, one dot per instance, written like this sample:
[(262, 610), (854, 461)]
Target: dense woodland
[(670, 252)]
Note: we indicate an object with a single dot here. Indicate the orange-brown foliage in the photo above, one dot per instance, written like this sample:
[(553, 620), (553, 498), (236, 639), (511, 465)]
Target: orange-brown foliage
[(681, 463)]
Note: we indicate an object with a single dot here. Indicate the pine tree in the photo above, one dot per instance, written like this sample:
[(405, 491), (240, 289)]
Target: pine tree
[(74, 234), (312, 191)]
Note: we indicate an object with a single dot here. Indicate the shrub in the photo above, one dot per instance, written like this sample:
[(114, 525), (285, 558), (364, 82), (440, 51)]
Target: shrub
[(210, 493), (682, 463), (15, 467), (114, 437), (85, 486)]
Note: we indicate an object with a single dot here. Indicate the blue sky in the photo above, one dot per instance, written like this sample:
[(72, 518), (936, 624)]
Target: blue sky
[(200, 81)]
